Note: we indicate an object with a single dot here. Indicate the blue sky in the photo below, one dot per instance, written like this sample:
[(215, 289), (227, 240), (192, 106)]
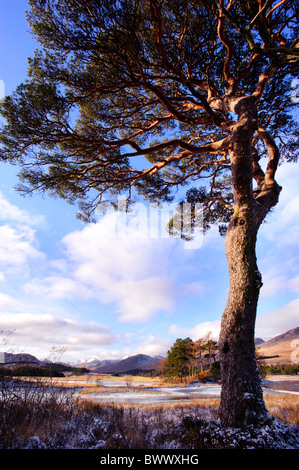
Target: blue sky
[(67, 284)]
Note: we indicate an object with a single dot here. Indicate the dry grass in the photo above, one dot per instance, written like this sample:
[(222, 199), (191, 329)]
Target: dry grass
[(284, 407), (55, 419), (58, 420), (100, 383)]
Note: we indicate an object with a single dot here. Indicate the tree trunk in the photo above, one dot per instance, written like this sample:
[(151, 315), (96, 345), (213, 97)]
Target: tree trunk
[(242, 400)]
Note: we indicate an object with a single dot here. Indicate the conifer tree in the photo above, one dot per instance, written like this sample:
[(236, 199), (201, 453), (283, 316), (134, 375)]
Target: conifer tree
[(178, 358), (145, 97)]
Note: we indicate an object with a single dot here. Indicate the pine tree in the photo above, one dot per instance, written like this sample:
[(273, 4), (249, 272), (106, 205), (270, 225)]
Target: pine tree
[(211, 348), (152, 96), (178, 358), (198, 352)]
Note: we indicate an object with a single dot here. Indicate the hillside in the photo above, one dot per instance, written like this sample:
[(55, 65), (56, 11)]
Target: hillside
[(279, 349), (96, 363), (18, 359), (132, 363), (12, 360), (276, 350)]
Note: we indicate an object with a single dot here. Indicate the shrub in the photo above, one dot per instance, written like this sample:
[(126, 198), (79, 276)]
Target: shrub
[(30, 371), (282, 369), (203, 376), (80, 371), (215, 370)]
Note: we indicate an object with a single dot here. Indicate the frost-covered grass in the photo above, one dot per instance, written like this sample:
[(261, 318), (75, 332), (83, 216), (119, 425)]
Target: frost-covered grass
[(47, 418), (284, 407)]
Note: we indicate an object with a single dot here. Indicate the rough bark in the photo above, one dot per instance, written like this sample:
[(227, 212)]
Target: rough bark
[(242, 400), (241, 396)]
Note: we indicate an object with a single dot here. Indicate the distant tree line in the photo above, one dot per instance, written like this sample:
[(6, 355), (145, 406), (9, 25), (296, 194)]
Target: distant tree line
[(279, 369), (30, 371), (80, 371), (188, 358)]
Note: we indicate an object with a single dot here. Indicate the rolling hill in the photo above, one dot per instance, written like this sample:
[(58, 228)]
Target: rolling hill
[(130, 364), (279, 350), (96, 363), (18, 359)]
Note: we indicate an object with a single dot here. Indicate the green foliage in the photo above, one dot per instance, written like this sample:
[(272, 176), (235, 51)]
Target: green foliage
[(215, 370), (80, 371), (118, 98), (185, 358), (178, 357), (281, 369), (30, 371)]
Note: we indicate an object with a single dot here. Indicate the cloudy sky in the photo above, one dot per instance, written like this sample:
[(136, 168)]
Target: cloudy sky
[(99, 291)]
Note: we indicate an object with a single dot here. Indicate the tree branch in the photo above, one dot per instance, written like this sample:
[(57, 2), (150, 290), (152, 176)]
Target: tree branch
[(263, 80), (212, 147), (257, 172), (274, 156), (274, 8), (229, 48)]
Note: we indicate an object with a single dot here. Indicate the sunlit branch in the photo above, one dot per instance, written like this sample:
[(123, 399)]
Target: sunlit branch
[(274, 156)]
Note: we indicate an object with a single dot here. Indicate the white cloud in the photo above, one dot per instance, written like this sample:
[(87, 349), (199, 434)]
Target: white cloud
[(268, 325), (294, 284), (139, 300), (280, 273), (18, 243), (45, 330), (196, 288), (10, 212), (108, 261), (154, 346), (273, 284), (139, 274), (281, 227), (7, 302), (278, 321), (17, 246), (57, 287), (198, 331), (132, 273), (278, 260)]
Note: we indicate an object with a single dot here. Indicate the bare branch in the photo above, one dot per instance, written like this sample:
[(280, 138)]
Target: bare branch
[(263, 80), (274, 8), (274, 156), (229, 47), (257, 172)]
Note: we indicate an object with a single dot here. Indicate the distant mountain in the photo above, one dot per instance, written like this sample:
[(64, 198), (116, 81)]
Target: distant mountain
[(11, 359), (106, 366), (96, 363), (279, 349), (16, 360), (132, 363), (258, 341), (276, 350)]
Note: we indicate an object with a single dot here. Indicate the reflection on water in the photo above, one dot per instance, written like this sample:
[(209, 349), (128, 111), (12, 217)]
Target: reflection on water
[(155, 395), (141, 393)]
